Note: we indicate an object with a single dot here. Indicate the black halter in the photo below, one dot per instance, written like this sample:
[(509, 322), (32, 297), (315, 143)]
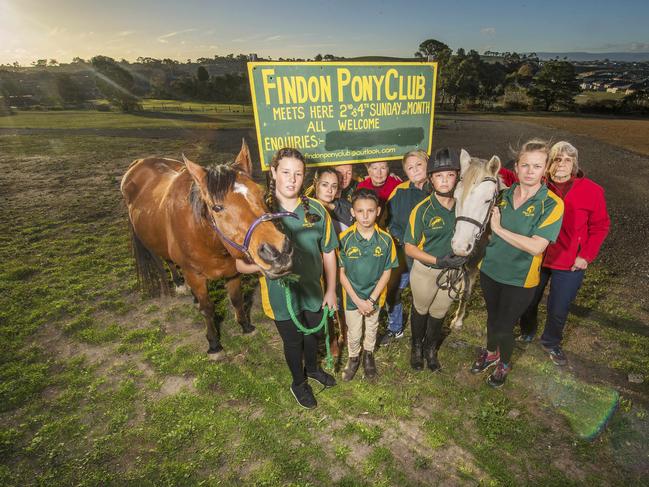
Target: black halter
[(456, 280)]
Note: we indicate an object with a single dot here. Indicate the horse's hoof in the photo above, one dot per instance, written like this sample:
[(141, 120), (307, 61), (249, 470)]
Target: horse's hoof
[(456, 325), (248, 328), (216, 356), (216, 349)]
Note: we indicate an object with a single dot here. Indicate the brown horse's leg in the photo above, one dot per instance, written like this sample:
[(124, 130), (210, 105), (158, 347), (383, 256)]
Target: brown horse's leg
[(198, 285), (233, 286), (334, 344)]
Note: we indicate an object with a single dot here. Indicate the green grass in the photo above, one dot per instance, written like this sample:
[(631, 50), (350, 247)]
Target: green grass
[(88, 119), (99, 386), (588, 96)]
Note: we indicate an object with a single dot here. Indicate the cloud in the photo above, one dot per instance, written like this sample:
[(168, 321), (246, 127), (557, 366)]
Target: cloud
[(163, 38), (57, 30), (272, 38), (125, 33), (246, 39), (488, 31)]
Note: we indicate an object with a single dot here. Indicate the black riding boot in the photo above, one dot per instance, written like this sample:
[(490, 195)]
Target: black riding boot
[(351, 368), (369, 366), (432, 342), (418, 329)]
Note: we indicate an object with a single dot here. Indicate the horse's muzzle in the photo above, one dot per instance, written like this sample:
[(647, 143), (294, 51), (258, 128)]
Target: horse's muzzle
[(280, 261)]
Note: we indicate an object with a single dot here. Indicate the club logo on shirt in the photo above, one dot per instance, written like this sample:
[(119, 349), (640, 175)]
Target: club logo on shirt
[(502, 203), (436, 223), (529, 211), (307, 224), (378, 252), (353, 252)]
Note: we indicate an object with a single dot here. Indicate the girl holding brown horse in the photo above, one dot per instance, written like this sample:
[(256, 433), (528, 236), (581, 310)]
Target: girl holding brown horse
[(314, 243)]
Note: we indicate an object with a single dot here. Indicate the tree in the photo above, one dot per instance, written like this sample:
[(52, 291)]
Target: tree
[(40, 63), (54, 62), (115, 83), (462, 78), (437, 49), (318, 57), (555, 85), (440, 53), (68, 89), (202, 74)]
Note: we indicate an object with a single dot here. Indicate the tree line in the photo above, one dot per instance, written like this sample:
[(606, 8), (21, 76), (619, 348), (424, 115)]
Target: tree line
[(509, 80)]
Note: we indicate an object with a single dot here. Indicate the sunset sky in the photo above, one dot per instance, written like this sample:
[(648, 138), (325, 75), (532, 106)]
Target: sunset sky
[(63, 29)]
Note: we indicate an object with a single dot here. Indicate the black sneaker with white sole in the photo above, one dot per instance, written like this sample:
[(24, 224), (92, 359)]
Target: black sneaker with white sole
[(557, 356), (322, 377), (304, 395)]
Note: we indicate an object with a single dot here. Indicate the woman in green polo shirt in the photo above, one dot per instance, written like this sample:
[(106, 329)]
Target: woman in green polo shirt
[(314, 242), (523, 223), (428, 241)]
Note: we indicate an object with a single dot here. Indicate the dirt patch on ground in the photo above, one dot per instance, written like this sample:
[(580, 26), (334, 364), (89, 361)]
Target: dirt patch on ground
[(632, 134)]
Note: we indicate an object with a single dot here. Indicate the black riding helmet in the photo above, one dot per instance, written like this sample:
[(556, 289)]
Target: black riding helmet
[(445, 160)]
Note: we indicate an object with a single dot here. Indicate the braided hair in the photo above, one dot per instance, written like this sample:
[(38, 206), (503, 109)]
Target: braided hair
[(271, 197)]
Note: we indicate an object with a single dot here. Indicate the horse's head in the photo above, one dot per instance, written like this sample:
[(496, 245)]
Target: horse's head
[(474, 196), (232, 203)]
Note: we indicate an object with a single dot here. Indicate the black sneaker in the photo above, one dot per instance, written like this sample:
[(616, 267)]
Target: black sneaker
[(498, 376), (524, 340), (557, 356), (304, 395), (322, 377), (484, 361)]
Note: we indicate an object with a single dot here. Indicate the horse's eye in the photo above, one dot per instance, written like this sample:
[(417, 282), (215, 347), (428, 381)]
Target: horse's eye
[(217, 208)]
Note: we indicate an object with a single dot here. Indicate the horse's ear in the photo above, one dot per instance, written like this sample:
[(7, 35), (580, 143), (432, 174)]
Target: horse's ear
[(243, 161), (493, 166), (465, 161), (196, 171)]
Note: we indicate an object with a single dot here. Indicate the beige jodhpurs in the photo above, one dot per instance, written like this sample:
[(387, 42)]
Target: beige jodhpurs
[(427, 298), (354, 320)]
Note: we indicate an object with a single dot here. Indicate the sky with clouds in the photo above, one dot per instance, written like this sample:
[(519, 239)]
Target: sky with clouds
[(63, 29)]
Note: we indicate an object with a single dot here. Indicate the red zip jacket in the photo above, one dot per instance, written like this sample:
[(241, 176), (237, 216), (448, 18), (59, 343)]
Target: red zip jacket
[(383, 192), (585, 224)]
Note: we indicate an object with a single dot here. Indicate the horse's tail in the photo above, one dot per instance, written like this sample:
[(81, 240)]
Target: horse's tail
[(152, 277)]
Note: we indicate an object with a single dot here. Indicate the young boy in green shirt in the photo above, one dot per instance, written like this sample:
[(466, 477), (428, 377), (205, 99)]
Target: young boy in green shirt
[(366, 257)]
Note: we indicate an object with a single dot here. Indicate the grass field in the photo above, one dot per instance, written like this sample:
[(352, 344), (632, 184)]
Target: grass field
[(102, 387), (88, 119), (587, 96)]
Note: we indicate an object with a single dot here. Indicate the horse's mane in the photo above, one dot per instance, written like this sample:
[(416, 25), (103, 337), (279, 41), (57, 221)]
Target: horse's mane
[(220, 181), (475, 173)]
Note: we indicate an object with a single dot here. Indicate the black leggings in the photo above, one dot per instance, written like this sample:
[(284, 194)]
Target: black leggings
[(505, 305), (298, 345)]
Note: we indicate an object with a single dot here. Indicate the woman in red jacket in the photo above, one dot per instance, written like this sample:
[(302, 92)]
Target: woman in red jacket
[(584, 228)]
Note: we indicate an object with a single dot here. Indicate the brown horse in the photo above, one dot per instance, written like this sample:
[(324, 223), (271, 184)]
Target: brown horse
[(200, 220)]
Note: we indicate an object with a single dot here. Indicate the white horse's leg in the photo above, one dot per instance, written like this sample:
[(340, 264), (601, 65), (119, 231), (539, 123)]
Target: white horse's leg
[(457, 321)]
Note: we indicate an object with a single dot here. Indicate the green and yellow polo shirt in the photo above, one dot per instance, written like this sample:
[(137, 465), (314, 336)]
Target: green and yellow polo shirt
[(431, 227), (401, 202), (365, 260), (540, 215), (310, 241)]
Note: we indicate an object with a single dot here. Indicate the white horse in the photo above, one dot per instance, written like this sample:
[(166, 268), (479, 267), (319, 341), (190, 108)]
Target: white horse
[(475, 195)]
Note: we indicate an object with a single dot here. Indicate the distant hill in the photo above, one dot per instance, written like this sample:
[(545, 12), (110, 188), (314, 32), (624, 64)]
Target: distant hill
[(594, 56)]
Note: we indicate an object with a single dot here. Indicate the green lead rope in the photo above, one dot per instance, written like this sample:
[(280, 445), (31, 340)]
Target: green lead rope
[(328, 313)]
